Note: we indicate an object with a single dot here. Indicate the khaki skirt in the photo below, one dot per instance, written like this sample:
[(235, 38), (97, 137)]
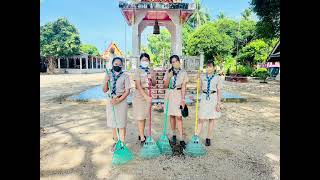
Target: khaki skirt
[(140, 107), (207, 108), (174, 102), (121, 110)]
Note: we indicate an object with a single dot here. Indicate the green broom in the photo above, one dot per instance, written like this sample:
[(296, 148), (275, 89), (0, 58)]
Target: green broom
[(150, 149), (163, 141), (122, 153), (194, 147)]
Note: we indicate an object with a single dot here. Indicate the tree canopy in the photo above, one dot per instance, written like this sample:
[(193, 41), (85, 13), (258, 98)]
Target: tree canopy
[(159, 46), (58, 39), (268, 12), (89, 49), (209, 40)]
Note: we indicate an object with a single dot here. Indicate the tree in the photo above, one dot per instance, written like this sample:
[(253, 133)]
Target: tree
[(241, 32), (255, 52), (160, 46), (209, 40), (268, 12), (246, 14), (89, 49), (58, 39), (186, 32), (200, 15)]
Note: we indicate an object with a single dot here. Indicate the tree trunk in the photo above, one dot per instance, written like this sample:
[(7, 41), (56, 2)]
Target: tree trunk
[(51, 65)]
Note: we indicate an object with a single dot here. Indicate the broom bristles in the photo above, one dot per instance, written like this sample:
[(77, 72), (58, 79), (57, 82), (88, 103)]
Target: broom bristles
[(164, 145), (194, 148), (150, 149), (122, 154)]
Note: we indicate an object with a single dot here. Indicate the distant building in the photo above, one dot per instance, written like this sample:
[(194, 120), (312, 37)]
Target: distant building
[(85, 63), (273, 61), (112, 51)]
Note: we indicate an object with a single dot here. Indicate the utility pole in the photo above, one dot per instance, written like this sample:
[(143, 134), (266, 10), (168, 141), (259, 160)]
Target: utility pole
[(125, 45)]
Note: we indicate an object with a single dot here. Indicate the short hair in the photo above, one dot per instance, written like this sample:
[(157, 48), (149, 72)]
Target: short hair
[(145, 55), (117, 58), (174, 56), (210, 62)]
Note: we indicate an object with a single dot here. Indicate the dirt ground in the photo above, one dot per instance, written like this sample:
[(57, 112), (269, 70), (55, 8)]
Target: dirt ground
[(75, 140)]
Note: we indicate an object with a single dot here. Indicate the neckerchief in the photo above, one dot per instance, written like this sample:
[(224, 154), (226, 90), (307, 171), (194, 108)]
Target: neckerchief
[(208, 85), (115, 78)]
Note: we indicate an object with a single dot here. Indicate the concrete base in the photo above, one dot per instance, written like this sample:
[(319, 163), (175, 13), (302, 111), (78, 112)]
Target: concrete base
[(78, 71)]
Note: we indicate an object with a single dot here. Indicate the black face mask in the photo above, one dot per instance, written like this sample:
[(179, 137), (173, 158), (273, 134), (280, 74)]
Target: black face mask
[(117, 68)]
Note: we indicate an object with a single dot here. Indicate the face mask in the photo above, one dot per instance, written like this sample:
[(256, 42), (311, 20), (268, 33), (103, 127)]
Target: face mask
[(210, 70), (117, 68), (176, 65), (144, 64)]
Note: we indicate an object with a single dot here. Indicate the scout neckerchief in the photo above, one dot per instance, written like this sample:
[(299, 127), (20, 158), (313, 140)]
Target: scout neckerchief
[(175, 74), (115, 78), (208, 85), (146, 69)]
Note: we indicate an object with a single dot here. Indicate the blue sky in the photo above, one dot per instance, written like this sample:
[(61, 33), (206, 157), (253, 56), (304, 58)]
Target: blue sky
[(100, 21)]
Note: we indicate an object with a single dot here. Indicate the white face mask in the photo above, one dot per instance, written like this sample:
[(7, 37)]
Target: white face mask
[(144, 64)]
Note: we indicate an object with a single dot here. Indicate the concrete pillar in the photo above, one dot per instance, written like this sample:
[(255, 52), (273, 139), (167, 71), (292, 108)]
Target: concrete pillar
[(58, 63), (201, 60), (171, 28), (138, 17), (87, 64), (80, 59), (100, 63), (74, 62), (91, 62), (96, 63), (67, 62), (175, 17), (135, 40)]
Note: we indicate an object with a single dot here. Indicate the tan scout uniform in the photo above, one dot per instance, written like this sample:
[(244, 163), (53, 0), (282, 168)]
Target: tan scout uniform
[(174, 95), (140, 107), (121, 109), (207, 108)]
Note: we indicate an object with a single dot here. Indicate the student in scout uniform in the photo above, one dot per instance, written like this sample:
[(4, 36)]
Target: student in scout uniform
[(120, 89), (141, 100), (209, 107), (176, 95)]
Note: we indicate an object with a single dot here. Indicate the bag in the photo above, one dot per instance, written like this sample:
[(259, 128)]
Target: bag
[(184, 111)]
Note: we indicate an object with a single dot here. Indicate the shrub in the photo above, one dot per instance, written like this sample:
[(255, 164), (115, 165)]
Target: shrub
[(261, 73), (245, 70)]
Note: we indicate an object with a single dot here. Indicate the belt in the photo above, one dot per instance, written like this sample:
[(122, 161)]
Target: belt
[(212, 92), (176, 88)]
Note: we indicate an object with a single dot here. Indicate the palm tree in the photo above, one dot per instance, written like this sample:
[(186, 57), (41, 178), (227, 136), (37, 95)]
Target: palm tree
[(200, 15), (221, 15)]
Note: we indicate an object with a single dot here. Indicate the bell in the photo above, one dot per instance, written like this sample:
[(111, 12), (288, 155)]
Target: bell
[(156, 29)]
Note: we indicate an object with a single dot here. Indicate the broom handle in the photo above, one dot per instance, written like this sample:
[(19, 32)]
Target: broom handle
[(167, 108), (197, 105), (113, 110), (150, 84)]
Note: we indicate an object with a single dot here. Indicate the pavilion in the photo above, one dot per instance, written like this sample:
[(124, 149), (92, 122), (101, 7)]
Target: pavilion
[(168, 13), (85, 63)]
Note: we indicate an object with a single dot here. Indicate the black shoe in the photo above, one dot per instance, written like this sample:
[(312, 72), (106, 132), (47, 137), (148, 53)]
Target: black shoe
[(208, 143), (142, 142), (174, 139), (139, 138), (183, 144)]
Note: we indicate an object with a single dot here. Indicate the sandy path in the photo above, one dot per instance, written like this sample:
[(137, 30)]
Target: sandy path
[(75, 140)]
